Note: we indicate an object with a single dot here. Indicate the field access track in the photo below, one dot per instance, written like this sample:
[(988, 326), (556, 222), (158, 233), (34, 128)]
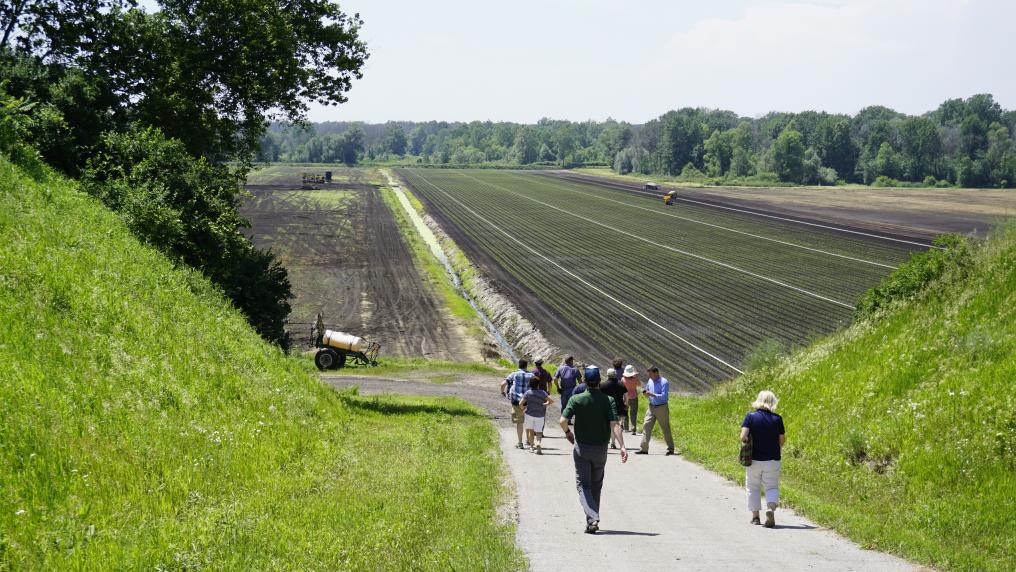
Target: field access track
[(690, 287)]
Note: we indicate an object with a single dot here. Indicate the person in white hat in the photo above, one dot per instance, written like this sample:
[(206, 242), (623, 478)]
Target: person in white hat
[(630, 379)]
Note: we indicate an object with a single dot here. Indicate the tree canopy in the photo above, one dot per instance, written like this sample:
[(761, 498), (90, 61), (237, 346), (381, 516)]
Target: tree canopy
[(967, 142)]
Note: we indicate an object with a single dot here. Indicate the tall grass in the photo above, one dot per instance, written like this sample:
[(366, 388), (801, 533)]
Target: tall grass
[(901, 430), (143, 425)]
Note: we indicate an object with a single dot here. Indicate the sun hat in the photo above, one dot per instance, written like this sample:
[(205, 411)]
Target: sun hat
[(629, 371)]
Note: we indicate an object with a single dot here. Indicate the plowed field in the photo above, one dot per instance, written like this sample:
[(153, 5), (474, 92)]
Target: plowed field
[(691, 287), (347, 259)]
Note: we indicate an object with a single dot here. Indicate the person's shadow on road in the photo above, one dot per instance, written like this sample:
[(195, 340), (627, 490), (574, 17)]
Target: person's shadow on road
[(626, 533), (795, 527)]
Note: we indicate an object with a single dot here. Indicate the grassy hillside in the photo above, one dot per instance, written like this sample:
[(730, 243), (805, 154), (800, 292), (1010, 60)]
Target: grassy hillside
[(143, 425), (901, 430)]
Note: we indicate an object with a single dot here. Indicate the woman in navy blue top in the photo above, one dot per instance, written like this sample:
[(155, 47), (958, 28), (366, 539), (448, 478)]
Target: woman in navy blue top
[(767, 437)]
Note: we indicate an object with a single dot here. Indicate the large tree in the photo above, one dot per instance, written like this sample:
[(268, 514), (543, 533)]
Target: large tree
[(788, 155), (209, 73)]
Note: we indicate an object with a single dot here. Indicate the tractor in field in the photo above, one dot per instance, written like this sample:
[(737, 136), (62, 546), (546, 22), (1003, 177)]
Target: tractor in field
[(668, 199), (309, 180), (334, 348)]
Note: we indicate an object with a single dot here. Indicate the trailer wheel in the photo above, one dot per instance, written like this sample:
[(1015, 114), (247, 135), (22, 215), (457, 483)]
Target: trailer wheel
[(340, 360), (326, 359)]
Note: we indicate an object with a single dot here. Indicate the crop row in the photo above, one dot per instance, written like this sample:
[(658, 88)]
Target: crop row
[(803, 261), (823, 236), (629, 295)]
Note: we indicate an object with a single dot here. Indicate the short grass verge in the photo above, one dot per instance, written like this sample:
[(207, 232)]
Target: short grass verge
[(435, 273), (901, 430)]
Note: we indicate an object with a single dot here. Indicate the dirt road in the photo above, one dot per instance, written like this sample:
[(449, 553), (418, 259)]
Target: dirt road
[(659, 513)]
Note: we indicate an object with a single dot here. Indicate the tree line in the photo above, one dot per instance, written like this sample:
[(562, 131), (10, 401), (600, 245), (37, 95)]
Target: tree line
[(966, 142), (159, 113)]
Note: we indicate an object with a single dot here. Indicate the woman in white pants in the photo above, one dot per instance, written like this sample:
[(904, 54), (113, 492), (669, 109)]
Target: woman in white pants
[(767, 438)]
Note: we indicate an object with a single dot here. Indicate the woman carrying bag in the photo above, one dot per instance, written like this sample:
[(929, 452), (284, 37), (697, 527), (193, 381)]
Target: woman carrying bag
[(762, 433)]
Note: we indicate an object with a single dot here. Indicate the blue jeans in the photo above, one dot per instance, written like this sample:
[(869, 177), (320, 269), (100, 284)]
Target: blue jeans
[(565, 396)]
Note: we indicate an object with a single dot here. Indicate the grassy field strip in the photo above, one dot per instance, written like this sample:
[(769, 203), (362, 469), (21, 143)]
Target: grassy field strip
[(785, 219), (589, 284), (673, 249), (760, 237)]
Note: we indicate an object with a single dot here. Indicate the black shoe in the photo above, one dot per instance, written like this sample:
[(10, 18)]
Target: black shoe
[(591, 528), (641, 452), (756, 520), (669, 452), (613, 446)]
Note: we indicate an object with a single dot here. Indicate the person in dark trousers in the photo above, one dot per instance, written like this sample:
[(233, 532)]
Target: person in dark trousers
[(631, 383), (541, 376), (565, 379), (767, 438), (657, 389), (616, 391), (595, 417), (514, 387)]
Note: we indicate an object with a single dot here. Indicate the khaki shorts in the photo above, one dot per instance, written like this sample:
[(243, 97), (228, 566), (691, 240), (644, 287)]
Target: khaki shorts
[(516, 413)]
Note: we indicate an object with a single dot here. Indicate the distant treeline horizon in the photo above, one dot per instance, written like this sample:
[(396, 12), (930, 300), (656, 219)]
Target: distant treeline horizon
[(964, 142)]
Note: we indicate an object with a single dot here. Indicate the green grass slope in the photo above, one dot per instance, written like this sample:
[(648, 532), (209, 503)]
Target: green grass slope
[(901, 430), (143, 425)]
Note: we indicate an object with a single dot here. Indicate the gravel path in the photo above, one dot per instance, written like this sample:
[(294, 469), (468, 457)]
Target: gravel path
[(659, 513)]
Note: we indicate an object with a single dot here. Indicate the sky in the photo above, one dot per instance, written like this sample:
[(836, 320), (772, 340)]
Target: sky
[(522, 60)]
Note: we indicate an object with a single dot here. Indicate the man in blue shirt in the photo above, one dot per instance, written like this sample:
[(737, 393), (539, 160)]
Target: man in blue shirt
[(657, 389), (514, 387), (565, 378)]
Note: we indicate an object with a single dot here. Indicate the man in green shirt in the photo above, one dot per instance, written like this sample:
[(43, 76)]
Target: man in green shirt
[(595, 419)]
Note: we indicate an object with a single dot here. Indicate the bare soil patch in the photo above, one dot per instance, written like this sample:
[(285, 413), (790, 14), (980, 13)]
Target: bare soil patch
[(347, 259)]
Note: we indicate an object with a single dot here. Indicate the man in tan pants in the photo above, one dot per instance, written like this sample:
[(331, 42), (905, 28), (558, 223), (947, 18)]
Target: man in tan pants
[(657, 389)]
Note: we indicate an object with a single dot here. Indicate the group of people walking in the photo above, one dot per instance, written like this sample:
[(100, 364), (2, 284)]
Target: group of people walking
[(595, 415)]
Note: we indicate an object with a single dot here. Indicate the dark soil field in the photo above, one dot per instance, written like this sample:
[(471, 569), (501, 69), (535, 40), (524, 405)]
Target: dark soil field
[(347, 259)]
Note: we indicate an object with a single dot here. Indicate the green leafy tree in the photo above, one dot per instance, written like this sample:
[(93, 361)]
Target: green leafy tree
[(788, 155), (351, 145), (395, 140), (524, 149), (719, 150), (834, 144), (887, 163), (920, 148), (680, 138), (188, 209)]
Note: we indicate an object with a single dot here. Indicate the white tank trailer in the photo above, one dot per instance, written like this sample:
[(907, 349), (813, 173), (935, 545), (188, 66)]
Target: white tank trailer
[(335, 347)]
